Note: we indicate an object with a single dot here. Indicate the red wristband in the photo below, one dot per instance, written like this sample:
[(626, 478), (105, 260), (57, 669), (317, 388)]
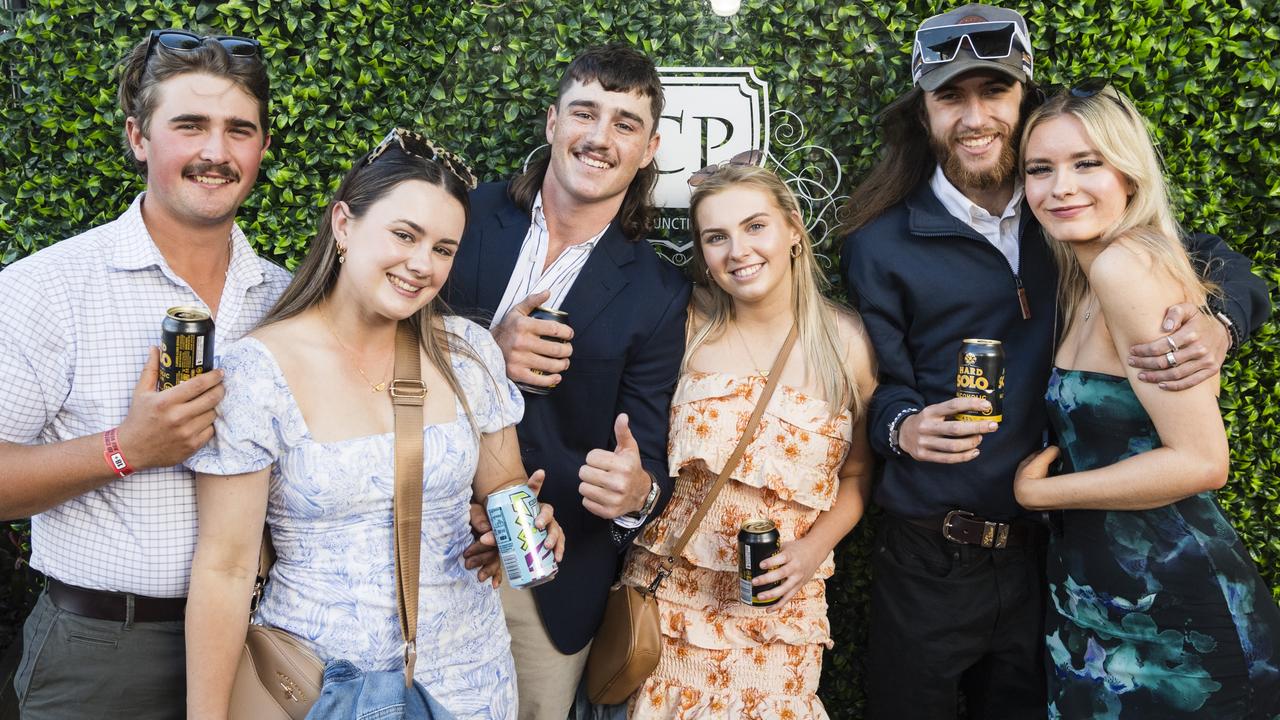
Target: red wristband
[(111, 451)]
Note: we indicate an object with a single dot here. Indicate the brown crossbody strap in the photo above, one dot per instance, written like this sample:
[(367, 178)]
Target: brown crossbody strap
[(774, 375), (408, 394)]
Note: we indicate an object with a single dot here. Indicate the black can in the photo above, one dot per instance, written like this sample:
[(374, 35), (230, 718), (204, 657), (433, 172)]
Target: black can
[(186, 345), (980, 374), (758, 539), (542, 313)]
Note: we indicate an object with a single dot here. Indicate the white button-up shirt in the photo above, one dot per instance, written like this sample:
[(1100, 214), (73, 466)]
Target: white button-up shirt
[(76, 322), (529, 277), (1002, 232)]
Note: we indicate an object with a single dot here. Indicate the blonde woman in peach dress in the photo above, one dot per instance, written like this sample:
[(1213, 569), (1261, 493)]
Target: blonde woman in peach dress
[(807, 468)]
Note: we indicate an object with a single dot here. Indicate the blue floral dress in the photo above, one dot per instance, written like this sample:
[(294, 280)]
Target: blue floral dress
[(329, 509), (1154, 614)]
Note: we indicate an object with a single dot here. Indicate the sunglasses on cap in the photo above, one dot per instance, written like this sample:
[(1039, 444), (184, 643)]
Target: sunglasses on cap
[(746, 157), (417, 145), (187, 41), (987, 40)]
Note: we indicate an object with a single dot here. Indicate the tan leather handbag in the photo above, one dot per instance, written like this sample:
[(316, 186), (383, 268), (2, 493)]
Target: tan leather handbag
[(279, 677), (629, 642)]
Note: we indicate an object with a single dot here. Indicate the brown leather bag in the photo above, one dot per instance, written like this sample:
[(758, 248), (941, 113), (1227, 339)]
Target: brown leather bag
[(629, 642), (279, 677)]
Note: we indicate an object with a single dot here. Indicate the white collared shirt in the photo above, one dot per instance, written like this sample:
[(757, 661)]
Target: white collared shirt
[(528, 276), (76, 322), (1002, 232)]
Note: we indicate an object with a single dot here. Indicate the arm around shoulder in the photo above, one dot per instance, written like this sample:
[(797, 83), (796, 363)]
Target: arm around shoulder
[(1245, 300)]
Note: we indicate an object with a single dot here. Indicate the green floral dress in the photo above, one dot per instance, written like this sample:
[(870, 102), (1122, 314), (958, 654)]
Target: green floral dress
[(1154, 614)]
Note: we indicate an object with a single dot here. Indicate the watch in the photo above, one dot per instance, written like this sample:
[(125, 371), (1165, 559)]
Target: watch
[(650, 502)]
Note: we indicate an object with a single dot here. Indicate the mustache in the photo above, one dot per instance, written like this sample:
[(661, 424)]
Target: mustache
[(969, 134), (594, 150), (217, 169)]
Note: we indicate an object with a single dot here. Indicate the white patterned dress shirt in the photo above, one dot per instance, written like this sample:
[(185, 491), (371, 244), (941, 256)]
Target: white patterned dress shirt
[(77, 320), (529, 277)]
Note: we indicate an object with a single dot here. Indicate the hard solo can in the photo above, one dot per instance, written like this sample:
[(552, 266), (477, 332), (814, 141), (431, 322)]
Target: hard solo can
[(543, 313), (525, 557), (980, 374), (186, 345), (758, 539)]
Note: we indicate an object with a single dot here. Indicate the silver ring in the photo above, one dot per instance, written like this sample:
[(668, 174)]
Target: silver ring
[(1173, 361), (1173, 346)]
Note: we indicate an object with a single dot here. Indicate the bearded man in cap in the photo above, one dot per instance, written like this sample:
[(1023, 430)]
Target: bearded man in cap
[(941, 247)]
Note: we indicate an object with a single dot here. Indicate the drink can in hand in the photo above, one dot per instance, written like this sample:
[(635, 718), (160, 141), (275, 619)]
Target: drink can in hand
[(980, 374), (543, 313), (186, 345), (758, 539), (526, 559)]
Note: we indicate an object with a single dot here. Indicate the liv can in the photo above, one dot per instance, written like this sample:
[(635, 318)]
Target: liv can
[(543, 313), (980, 374), (525, 557), (186, 345), (757, 540)]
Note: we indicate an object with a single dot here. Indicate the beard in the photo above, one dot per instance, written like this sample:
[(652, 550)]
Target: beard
[(962, 175)]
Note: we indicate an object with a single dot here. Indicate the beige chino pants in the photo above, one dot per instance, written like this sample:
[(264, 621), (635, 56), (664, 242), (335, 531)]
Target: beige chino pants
[(546, 679)]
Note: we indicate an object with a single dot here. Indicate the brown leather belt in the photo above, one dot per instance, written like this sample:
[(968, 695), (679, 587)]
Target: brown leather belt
[(961, 526), (103, 605)]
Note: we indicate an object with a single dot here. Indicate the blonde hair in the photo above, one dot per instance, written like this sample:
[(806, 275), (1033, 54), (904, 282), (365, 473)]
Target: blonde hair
[(815, 315), (1120, 135)]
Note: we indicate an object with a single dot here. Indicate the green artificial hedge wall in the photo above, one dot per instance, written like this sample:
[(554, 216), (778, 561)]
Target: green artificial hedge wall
[(479, 76)]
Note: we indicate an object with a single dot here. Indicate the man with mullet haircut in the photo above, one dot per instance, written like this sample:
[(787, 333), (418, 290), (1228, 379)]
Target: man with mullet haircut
[(568, 235), (88, 447), (940, 248)]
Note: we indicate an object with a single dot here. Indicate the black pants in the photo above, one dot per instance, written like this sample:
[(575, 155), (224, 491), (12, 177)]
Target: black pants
[(947, 618)]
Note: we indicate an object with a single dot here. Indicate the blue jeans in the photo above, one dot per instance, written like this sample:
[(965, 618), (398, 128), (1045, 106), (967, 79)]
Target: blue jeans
[(349, 693)]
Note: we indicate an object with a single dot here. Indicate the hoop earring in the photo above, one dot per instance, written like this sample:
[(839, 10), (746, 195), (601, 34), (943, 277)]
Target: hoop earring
[(706, 273), (795, 251)]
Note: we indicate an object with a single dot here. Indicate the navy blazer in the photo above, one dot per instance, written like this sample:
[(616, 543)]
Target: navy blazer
[(627, 310)]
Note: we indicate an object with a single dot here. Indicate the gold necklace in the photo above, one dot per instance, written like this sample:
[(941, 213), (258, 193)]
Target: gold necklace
[(750, 355), (376, 387)]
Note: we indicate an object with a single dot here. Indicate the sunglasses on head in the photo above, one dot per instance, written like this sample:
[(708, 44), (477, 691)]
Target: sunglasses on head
[(1090, 87), (417, 145), (187, 41), (746, 157), (987, 40)]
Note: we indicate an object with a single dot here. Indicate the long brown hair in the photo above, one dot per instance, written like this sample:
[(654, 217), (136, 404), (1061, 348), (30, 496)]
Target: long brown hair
[(618, 67), (363, 186), (906, 157), (819, 337), (140, 77)]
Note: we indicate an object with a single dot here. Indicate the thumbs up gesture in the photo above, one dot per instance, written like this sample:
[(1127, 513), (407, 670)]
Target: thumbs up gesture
[(614, 482)]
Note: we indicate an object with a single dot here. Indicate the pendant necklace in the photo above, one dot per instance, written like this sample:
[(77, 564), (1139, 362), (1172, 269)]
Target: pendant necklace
[(1088, 313), (376, 387), (750, 355)]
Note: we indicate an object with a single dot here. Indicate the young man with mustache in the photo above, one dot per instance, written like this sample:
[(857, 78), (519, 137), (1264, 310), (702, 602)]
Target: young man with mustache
[(569, 235), (88, 446), (942, 248)]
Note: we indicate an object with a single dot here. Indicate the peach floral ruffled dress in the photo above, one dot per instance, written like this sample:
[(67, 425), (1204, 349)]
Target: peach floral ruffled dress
[(720, 657)]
